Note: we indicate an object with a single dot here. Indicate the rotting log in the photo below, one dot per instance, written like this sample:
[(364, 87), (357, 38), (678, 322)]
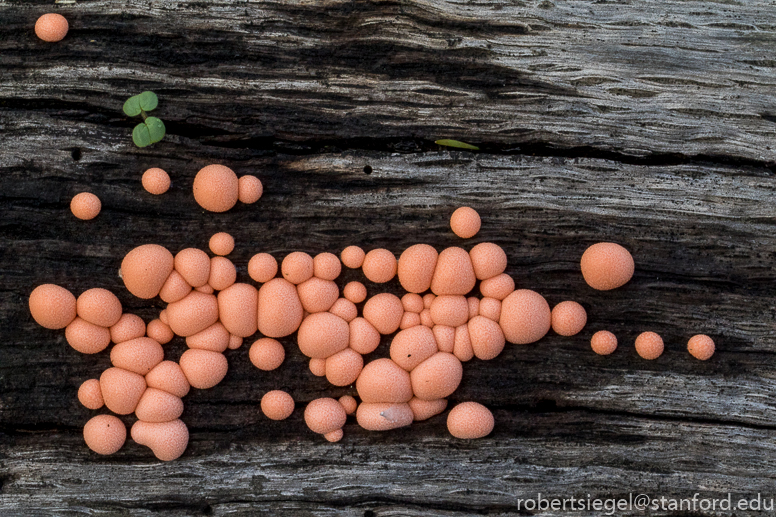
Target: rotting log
[(650, 124)]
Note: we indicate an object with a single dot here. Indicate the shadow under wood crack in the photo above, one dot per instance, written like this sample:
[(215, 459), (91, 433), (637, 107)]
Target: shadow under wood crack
[(418, 145), (288, 144), (184, 505)]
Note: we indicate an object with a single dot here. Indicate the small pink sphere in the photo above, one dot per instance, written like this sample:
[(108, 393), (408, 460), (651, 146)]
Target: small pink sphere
[(334, 436), (470, 420), (649, 345), (235, 342), (159, 331), (603, 342), (324, 415), (250, 189), (606, 266), (216, 188), (90, 394), (355, 292), (412, 302), (54, 307), (465, 222), (105, 434), (701, 347), (384, 311), (85, 206), (327, 266), (297, 267), (99, 306), (221, 243), (568, 318), (349, 403), (352, 257), (156, 181), (344, 367), (262, 267), (379, 266), (317, 367), (277, 405), (488, 259), (345, 309), (267, 354), (51, 27)]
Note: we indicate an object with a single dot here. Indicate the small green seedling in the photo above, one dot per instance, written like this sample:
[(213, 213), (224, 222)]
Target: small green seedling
[(456, 143), (151, 130)]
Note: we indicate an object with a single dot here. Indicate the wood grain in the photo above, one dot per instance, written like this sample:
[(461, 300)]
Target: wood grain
[(662, 80), (562, 455), (648, 123), (702, 240)]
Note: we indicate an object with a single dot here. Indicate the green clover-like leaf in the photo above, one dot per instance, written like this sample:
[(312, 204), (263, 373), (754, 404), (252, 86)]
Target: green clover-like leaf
[(148, 132), (141, 136), (156, 129), (456, 143), (148, 101), (132, 106)]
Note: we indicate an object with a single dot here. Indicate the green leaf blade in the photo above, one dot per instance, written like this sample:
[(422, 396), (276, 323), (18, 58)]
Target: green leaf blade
[(156, 129), (148, 101), (132, 106), (141, 136), (456, 143)]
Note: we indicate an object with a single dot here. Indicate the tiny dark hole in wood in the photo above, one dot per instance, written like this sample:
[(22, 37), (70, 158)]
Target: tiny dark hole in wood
[(207, 510), (369, 513), (368, 169), (76, 154)]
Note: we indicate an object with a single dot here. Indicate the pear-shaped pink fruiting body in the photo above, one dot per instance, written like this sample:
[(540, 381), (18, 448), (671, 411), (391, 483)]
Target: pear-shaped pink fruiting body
[(167, 440)]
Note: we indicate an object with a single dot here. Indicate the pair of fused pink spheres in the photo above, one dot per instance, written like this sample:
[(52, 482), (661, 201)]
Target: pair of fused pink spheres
[(106, 434), (217, 188)]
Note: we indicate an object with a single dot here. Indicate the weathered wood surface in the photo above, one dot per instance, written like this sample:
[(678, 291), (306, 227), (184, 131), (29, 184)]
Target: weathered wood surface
[(643, 79), (308, 95)]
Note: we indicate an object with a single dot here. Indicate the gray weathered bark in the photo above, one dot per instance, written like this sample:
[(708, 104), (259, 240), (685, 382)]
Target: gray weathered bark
[(648, 123)]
